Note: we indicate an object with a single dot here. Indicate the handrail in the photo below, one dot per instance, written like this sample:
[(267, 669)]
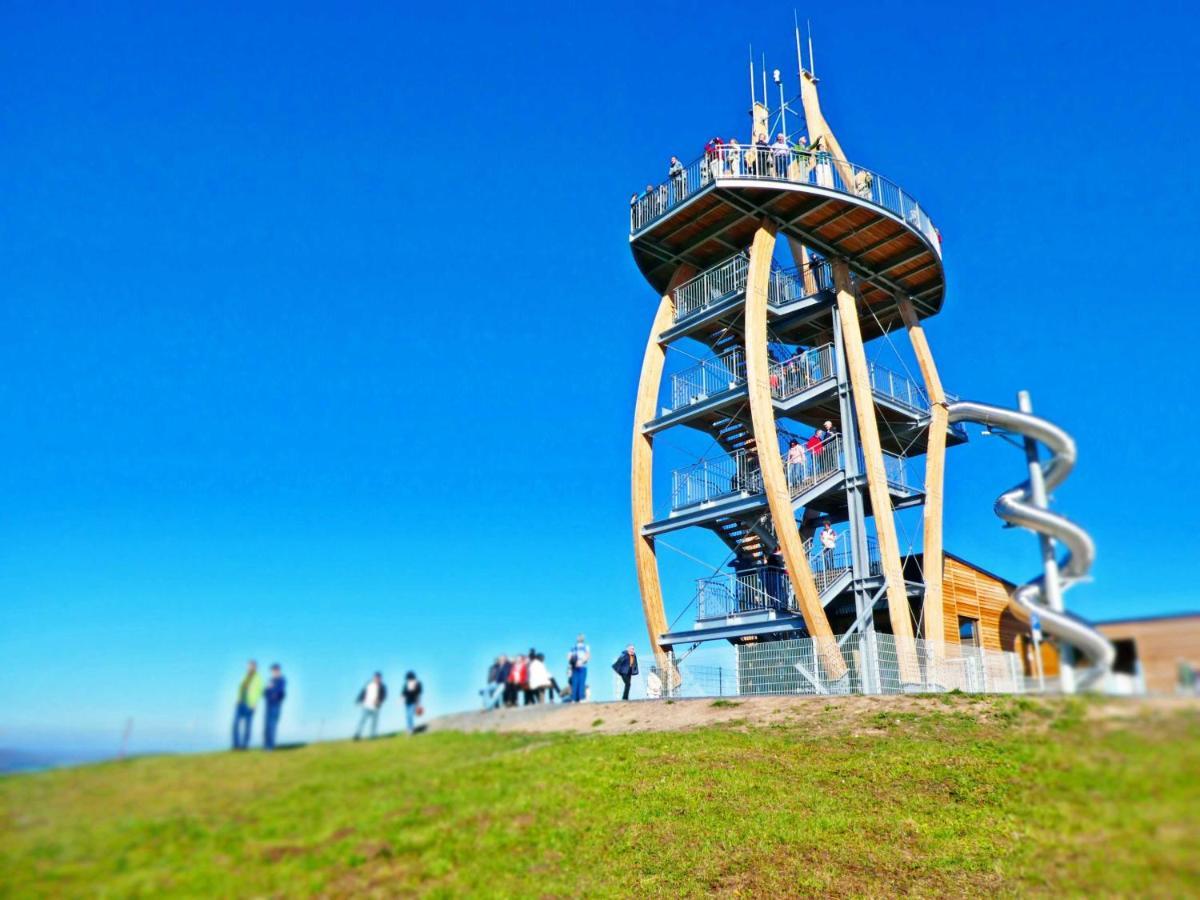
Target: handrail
[(728, 278), (711, 376), (764, 587), (807, 367), (714, 479), (777, 163)]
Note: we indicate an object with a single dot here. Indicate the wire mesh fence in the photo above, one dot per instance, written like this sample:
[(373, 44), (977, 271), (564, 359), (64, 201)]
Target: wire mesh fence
[(857, 664)]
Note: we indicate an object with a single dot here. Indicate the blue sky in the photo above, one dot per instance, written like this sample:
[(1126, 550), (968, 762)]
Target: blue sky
[(321, 332)]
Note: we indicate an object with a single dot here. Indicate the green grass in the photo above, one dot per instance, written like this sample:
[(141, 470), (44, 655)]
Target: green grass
[(971, 797)]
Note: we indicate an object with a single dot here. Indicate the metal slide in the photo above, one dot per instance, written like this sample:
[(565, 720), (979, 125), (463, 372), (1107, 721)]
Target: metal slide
[(1016, 507)]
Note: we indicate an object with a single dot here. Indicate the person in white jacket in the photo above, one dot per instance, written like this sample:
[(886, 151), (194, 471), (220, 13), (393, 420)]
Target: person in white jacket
[(539, 678)]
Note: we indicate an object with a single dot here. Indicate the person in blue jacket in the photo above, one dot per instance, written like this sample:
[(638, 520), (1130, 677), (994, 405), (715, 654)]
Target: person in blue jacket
[(273, 695), (626, 666)]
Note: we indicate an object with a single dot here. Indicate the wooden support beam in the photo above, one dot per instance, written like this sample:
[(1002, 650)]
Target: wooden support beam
[(881, 501), (643, 469), (766, 439), (935, 461)]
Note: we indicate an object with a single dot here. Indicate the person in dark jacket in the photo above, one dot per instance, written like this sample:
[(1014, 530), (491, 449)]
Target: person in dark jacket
[(412, 700), (626, 666), (274, 694)]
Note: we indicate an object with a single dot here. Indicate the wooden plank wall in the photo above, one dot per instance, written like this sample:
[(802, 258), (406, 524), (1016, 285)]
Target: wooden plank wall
[(1160, 643), (975, 594)]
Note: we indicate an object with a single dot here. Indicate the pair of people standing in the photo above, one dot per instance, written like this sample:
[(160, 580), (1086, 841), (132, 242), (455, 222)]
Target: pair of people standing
[(250, 692), (373, 695)]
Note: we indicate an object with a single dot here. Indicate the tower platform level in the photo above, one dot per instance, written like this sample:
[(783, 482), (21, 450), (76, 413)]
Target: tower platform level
[(712, 208)]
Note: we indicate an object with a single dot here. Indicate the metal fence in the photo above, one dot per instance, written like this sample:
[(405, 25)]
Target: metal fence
[(712, 376), (773, 163), (713, 479), (762, 588), (726, 279), (873, 666), (804, 369)]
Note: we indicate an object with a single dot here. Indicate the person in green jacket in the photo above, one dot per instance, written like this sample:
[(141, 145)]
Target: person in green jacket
[(248, 696)]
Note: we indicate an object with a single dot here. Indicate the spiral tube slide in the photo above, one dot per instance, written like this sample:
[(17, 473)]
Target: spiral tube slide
[(1015, 506)]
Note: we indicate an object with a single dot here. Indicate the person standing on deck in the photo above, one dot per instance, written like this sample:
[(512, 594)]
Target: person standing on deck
[(626, 666), (579, 656), (371, 698), (782, 154), (678, 178), (829, 540), (249, 693), (274, 695), (795, 460)]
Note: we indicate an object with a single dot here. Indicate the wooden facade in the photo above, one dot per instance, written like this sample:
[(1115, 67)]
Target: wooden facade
[(974, 594), (1159, 644)]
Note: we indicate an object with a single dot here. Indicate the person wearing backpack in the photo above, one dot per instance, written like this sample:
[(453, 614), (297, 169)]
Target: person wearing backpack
[(371, 698), (626, 666), (412, 700)]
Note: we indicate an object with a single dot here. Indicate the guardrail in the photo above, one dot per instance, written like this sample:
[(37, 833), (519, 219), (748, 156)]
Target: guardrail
[(777, 163), (802, 371), (807, 466), (768, 587), (712, 376), (714, 479), (728, 278)]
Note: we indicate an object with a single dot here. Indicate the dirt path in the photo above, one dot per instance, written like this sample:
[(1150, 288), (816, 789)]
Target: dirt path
[(814, 712)]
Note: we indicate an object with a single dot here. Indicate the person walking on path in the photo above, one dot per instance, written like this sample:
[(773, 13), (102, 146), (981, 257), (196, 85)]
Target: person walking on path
[(626, 666), (249, 693), (578, 657), (371, 697), (412, 701), (274, 695)]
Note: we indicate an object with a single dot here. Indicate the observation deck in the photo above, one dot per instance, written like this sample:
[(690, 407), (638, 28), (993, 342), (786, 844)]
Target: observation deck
[(712, 207)]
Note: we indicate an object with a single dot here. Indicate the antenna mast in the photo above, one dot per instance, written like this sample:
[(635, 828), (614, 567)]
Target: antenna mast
[(812, 66), (799, 53), (752, 98)]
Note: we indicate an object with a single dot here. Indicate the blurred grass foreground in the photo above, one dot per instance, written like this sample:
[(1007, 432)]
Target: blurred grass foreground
[(780, 796)]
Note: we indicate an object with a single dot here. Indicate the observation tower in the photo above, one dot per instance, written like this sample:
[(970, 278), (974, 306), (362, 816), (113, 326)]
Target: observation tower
[(780, 262)]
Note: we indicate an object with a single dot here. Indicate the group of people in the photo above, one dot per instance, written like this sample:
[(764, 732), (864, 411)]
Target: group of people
[(806, 460), (794, 161), (797, 161), (252, 691), (525, 678), (373, 695)]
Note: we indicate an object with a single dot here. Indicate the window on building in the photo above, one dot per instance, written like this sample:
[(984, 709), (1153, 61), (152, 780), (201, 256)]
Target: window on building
[(968, 630), (1126, 661)]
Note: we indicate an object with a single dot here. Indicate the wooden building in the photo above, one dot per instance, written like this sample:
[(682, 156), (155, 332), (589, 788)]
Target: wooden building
[(1153, 647)]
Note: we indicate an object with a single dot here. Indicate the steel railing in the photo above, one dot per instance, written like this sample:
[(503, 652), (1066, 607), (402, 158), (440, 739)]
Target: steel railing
[(899, 388), (806, 466), (802, 371), (768, 587), (712, 376), (728, 278), (774, 163), (751, 590), (714, 479)]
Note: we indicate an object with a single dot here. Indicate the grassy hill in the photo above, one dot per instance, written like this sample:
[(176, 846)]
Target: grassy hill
[(950, 795)]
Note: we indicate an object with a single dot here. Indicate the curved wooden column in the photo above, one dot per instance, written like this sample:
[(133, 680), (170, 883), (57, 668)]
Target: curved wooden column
[(643, 468), (766, 439), (935, 462), (881, 500)]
